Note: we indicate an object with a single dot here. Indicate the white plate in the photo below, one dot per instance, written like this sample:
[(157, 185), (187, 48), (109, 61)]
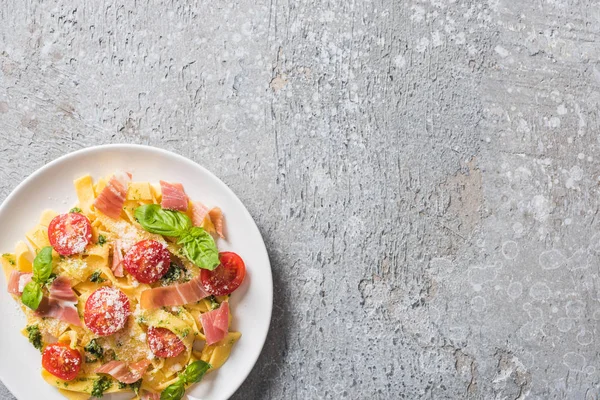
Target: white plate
[(52, 187)]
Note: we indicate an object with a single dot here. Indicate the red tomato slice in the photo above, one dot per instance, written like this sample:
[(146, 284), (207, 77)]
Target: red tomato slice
[(163, 342), (147, 261), (106, 311), (69, 233), (227, 277), (61, 361)]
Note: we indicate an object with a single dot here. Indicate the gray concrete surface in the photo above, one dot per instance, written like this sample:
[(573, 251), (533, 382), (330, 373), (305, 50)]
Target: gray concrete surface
[(425, 173)]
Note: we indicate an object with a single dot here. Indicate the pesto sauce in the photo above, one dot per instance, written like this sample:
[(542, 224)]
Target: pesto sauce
[(100, 386), (35, 336)]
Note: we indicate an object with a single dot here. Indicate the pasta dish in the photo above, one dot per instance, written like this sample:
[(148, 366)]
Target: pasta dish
[(127, 291)]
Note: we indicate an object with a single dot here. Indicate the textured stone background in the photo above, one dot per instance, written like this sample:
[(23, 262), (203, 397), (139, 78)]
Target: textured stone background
[(425, 173)]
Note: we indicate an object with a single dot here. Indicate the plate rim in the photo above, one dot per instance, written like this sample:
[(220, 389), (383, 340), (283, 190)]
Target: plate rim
[(223, 185)]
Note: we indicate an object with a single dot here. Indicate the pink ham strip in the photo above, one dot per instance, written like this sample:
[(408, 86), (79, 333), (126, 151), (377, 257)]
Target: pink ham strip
[(61, 290), (216, 217), (61, 302), (117, 262), (199, 212), (111, 199), (146, 395), (216, 323), (17, 281), (173, 196), (124, 373), (222, 319), (174, 295)]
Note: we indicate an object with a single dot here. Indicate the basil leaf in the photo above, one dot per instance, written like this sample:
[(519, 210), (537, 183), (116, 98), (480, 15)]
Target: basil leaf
[(164, 222), (42, 265), (32, 295), (195, 371), (200, 248), (174, 391)]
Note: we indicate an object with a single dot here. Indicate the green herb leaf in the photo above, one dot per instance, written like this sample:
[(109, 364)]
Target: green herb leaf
[(42, 265), (35, 336), (100, 386), (174, 274), (32, 295), (200, 248), (96, 278), (192, 374), (94, 349), (10, 258), (75, 210), (214, 304), (174, 391), (101, 240), (195, 371), (164, 222), (135, 386)]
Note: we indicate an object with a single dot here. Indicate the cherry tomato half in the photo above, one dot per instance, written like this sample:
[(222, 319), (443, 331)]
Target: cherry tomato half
[(69, 233), (61, 361), (106, 311), (147, 261), (163, 342), (227, 277)]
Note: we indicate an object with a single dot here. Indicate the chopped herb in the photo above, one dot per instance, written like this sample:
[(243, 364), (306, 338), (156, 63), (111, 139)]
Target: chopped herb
[(100, 386), (10, 258), (135, 386), (96, 278), (35, 336), (75, 210), (214, 304), (185, 332), (122, 385), (174, 274), (101, 240), (94, 350)]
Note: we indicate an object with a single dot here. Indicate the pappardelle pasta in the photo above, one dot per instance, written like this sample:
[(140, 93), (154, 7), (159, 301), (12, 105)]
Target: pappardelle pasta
[(127, 291)]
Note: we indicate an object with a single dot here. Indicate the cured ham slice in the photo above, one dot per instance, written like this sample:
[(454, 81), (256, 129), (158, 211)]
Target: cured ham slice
[(199, 212), (60, 290), (216, 217), (174, 295), (173, 196), (123, 372), (17, 281), (117, 261), (111, 199), (146, 395), (216, 323), (61, 302)]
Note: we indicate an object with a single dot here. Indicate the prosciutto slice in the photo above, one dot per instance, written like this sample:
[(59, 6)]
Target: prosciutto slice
[(216, 217), (111, 199), (146, 395), (216, 323), (123, 372), (17, 281), (174, 295), (199, 212), (117, 261), (61, 302), (173, 196)]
